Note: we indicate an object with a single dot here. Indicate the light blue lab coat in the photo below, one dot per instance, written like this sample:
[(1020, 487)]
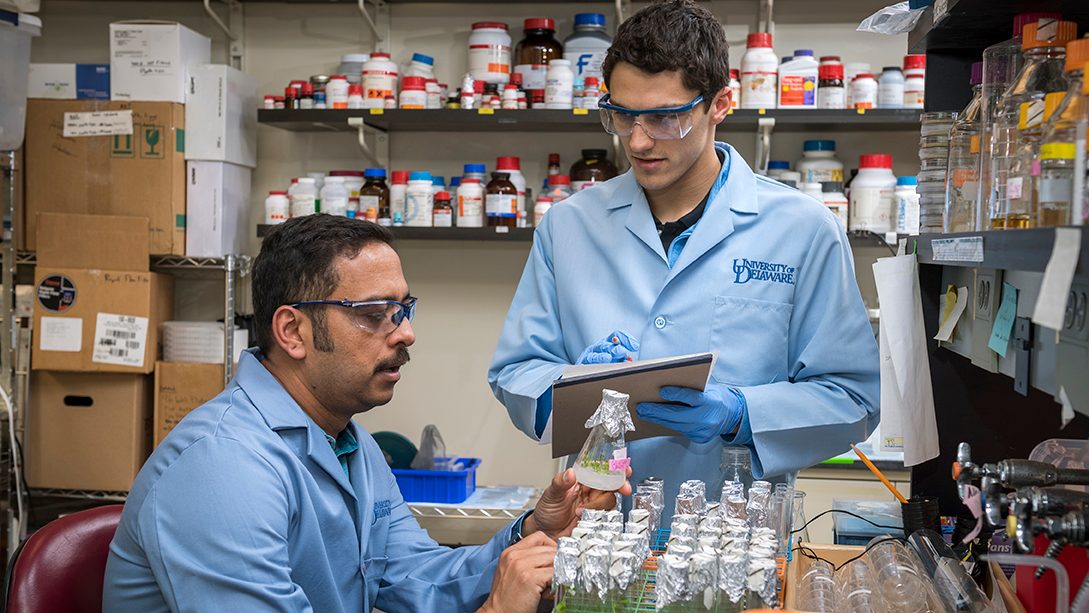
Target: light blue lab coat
[(765, 279), (245, 508)]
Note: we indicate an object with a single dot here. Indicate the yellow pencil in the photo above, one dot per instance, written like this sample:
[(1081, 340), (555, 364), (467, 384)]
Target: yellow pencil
[(877, 473)]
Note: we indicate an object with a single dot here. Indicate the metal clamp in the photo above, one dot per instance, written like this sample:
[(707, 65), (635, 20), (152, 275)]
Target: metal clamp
[(233, 28), (372, 22), (765, 125)]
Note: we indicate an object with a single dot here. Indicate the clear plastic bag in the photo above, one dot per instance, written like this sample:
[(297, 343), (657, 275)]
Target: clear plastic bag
[(893, 19)]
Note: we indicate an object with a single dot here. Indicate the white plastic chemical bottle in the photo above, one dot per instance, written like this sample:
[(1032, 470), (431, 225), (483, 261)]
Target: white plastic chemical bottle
[(914, 81), (864, 91), (420, 66), (907, 205), (833, 198), (759, 70), (489, 52), (277, 207), (587, 45), (434, 94), (798, 81), (890, 88), (336, 92), (414, 93), (735, 89), (398, 187), (470, 209), (873, 204), (334, 197), (379, 80), (419, 200), (559, 85), (850, 71), (819, 163), (304, 197)]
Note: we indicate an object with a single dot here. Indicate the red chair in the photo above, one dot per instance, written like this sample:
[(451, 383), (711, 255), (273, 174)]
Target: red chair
[(60, 568)]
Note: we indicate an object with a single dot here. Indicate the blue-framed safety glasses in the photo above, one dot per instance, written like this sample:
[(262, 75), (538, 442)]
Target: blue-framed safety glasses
[(671, 123), (376, 316)]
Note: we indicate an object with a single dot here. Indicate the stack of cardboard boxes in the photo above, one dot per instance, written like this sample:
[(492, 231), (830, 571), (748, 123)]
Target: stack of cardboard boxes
[(152, 155)]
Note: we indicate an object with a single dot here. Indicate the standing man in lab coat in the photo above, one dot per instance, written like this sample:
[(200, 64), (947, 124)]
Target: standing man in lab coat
[(270, 498), (690, 252)]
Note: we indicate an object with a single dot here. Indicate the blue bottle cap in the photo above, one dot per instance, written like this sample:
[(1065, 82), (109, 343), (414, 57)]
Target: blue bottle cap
[(778, 165), (438, 181), (455, 182), (420, 176), (819, 145), (589, 19), (475, 169), (803, 52), (427, 59), (907, 180), (374, 173)]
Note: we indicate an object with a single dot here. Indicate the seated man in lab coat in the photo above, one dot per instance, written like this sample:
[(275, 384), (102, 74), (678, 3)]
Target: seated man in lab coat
[(690, 251), (270, 498)]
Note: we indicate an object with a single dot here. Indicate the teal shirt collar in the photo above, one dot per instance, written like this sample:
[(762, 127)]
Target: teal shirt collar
[(343, 445)]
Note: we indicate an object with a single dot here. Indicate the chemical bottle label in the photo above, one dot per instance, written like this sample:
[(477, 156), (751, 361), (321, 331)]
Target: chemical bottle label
[(534, 76), (501, 205), (586, 64), (1053, 191), (302, 205), (872, 209), (368, 202), (470, 206), (797, 90), (758, 89), (489, 59), (443, 219), (831, 98)]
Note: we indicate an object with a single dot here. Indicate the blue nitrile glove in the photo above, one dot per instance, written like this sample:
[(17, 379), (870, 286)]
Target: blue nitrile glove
[(713, 412), (609, 350)]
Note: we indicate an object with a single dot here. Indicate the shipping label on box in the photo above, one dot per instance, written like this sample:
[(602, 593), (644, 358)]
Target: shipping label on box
[(117, 158), (149, 60), (120, 340)]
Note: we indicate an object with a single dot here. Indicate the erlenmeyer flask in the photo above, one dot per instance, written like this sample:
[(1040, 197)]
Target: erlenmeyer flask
[(799, 519), (603, 462)]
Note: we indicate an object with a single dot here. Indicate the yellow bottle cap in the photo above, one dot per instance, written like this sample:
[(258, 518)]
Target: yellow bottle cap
[(1057, 151), (1011, 526), (1052, 102)]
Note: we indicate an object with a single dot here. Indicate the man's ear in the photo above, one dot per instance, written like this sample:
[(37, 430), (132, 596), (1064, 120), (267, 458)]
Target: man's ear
[(720, 105), (292, 331)]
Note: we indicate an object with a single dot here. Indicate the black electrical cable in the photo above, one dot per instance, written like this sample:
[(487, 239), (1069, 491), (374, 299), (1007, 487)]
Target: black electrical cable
[(813, 555), (822, 514), (29, 509)]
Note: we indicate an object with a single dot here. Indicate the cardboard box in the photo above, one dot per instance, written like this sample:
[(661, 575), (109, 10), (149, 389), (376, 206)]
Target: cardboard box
[(180, 388), (149, 60), (98, 309), (221, 112), (799, 564), (138, 174), (69, 81), (87, 431), (217, 210)]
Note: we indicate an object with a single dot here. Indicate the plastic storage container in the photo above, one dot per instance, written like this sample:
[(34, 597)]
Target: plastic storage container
[(798, 81), (379, 80), (14, 69), (448, 486), (420, 66), (351, 66), (890, 88), (559, 85), (587, 45), (419, 200)]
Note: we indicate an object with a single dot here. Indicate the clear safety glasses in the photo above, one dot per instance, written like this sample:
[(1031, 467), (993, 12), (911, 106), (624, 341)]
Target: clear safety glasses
[(670, 123), (375, 316)]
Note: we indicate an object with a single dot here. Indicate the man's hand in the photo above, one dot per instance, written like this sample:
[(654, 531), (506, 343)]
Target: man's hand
[(612, 349), (523, 575), (716, 411), (557, 512)]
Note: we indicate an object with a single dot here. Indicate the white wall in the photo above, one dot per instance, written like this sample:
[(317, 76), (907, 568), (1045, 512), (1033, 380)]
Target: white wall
[(464, 288)]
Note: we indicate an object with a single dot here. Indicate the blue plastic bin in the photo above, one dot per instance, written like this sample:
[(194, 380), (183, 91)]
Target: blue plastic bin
[(449, 486)]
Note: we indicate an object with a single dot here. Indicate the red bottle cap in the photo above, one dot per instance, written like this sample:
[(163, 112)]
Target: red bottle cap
[(758, 39), (490, 25), (354, 90), (277, 193), (442, 195), (864, 75), (553, 158), (509, 162), (559, 180), (735, 73), (540, 23), (830, 71), (830, 58), (400, 177), (380, 54), (478, 87), (307, 88), (516, 79), (414, 83), (875, 160), (915, 61)]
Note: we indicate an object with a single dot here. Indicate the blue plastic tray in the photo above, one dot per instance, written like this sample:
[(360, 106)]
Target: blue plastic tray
[(448, 486)]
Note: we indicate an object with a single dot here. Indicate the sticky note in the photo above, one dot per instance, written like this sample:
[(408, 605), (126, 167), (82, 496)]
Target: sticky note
[(1003, 321), (955, 302), (1059, 274)]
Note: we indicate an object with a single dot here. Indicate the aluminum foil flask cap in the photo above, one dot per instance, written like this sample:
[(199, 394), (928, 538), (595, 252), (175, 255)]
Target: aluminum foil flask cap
[(612, 414)]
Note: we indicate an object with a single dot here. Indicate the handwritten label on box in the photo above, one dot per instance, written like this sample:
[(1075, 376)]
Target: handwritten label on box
[(98, 123)]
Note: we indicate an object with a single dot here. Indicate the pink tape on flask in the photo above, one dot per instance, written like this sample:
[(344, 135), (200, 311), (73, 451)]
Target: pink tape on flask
[(617, 465)]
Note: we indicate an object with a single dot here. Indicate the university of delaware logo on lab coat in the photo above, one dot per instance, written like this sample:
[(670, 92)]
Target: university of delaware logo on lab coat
[(746, 270)]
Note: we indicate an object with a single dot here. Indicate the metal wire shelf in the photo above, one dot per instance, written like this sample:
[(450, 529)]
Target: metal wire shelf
[(81, 494)]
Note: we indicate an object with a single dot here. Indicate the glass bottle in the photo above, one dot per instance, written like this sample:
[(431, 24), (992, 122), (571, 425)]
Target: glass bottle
[(799, 527), (1044, 45), (593, 168), (736, 467), (1055, 185), (603, 462), (1001, 63), (534, 52), (375, 193), (962, 184), (1021, 178), (501, 201)]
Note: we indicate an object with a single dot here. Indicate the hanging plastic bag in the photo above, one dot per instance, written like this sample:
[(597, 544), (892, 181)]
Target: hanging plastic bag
[(895, 19), (432, 453), (603, 462)]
